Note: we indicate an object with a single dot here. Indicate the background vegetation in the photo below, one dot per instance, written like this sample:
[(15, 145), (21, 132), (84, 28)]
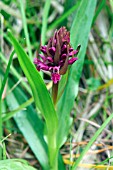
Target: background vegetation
[(87, 97)]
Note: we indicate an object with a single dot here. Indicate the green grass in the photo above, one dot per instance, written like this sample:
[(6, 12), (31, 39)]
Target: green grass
[(25, 28), (45, 21)]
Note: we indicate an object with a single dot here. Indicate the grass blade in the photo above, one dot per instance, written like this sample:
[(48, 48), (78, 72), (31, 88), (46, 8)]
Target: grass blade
[(64, 16), (44, 21), (6, 74), (2, 85), (100, 7), (92, 141), (15, 72), (30, 125), (25, 28)]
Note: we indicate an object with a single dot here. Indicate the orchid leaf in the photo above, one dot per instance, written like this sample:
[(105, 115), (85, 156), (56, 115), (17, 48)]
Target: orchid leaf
[(79, 35), (29, 124), (40, 93), (15, 164)]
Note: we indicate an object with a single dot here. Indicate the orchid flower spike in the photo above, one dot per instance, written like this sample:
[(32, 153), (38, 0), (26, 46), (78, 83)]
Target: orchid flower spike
[(57, 55)]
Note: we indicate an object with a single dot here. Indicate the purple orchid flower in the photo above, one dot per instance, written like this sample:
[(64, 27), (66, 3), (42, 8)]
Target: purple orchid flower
[(57, 55)]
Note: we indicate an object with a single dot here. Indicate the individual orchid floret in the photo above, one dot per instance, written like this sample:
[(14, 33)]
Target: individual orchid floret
[(57, 55)]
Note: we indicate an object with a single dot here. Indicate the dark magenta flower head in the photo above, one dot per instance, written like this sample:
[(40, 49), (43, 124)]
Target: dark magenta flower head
[(57, 55)]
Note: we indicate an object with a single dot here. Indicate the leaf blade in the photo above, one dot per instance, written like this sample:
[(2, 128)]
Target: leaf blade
[(81, 24), (41, 95), (15, 164), (27, 121)]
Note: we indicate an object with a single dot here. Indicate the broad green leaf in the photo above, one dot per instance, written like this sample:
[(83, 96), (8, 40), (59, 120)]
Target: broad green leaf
[(79, 35), (41, 95), (30, 125), (15, 164)]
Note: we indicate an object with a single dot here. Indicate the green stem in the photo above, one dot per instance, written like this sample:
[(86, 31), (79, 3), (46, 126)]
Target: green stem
[(54, 93), (53, 152)]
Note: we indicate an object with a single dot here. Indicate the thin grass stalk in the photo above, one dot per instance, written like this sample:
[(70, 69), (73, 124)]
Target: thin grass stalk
[(44, 21), (74, 167), (6, 74), (63, 16), (14, 71), (25, 28), (4, 152), (2, 85)]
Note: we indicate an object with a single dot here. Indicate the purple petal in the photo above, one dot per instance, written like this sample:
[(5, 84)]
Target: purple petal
[(52, 51), (54, 41), (73, 52), (66, 38), (70, 49), (43, 57), (61, 63), (56, 69), (43, 49), (35, 61), (63, 56), (42, 66), (55, 77), (64, 47), (49, 59), (72, 60), (51, 68)]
